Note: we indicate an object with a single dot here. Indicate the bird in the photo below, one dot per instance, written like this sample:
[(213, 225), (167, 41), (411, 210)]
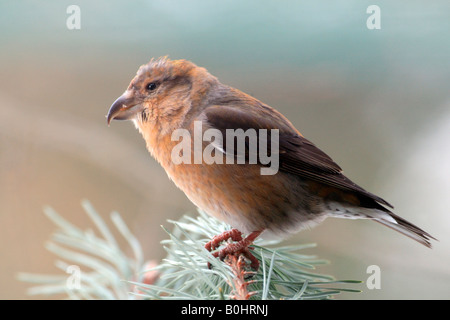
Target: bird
[(170, 101)]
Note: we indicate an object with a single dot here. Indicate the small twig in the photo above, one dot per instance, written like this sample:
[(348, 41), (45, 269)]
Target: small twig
[(107, 272), (237, 264)]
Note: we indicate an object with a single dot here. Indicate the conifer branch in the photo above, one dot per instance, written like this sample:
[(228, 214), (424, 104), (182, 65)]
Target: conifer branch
[(106, 272)]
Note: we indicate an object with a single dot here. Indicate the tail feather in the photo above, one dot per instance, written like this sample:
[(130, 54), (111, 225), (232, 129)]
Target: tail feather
[(376, 212), (408, 229)]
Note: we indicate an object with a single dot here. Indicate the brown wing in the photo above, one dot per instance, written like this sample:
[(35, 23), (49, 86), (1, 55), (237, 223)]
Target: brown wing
[(297, 155)]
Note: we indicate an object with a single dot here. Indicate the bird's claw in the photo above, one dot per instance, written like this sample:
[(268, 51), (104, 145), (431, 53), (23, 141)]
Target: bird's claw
[(239, 247)]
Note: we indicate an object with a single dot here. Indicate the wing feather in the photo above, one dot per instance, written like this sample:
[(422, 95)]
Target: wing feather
[(297, 155)]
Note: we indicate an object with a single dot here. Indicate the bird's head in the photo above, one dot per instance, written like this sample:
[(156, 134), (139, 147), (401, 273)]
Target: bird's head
[(161, 92)]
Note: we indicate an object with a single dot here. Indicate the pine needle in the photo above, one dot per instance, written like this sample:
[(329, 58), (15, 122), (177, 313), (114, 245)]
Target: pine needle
[(106, 272)]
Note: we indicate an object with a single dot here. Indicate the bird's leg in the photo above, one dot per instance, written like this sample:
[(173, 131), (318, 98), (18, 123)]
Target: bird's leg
[(241, 246)]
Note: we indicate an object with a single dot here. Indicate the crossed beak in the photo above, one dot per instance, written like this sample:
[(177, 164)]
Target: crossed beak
[(124, 108)]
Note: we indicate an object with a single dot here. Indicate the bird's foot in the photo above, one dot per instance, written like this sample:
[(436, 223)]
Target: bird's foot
[(239, 247)]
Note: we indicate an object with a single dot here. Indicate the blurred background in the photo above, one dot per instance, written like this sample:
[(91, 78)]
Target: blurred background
[(377, 101)]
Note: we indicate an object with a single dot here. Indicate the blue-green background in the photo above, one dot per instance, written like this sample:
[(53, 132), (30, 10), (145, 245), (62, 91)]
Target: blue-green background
[(377, 101)]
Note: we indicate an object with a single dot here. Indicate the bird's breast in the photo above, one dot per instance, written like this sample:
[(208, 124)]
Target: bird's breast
[(237, 193)]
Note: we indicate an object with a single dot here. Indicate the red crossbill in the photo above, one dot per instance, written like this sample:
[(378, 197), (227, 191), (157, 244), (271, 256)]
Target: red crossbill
[(176, 96)]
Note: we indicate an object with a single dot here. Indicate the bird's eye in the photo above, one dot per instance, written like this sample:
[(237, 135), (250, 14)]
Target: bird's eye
[(151, 86)]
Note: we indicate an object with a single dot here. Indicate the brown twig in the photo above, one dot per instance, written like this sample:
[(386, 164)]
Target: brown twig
[(237, 264)]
